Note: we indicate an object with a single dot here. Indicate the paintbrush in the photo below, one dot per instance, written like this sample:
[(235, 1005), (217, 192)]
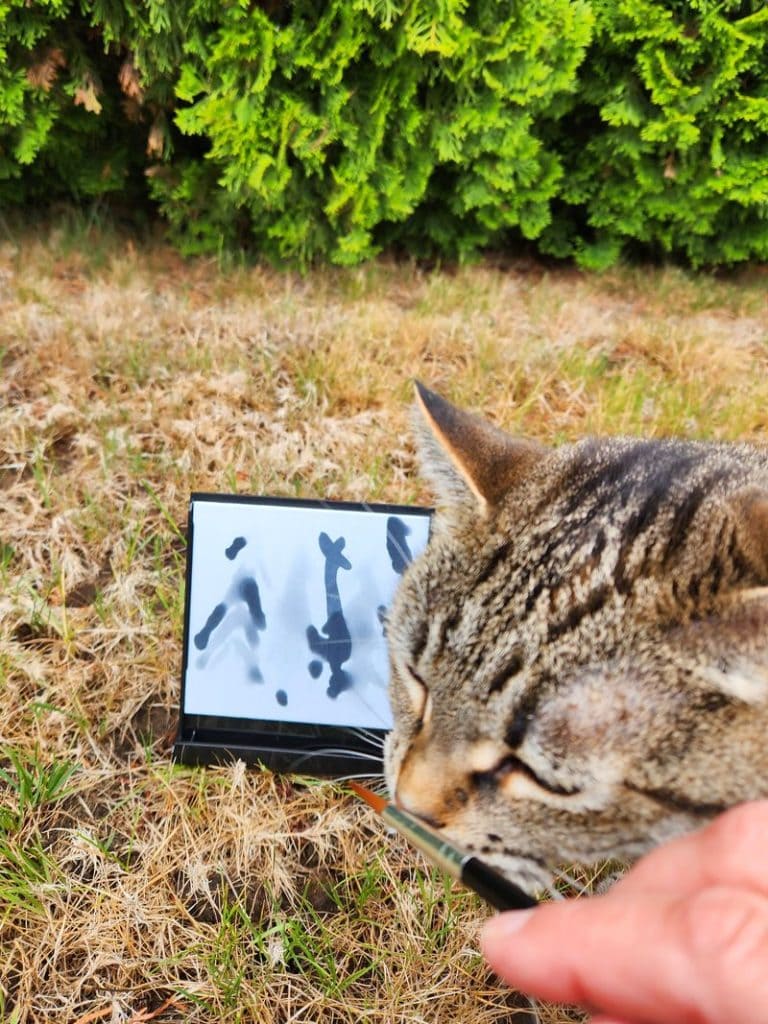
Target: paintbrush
[(474, 873)]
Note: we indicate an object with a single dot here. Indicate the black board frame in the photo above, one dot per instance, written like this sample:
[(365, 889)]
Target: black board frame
[(305, 748)]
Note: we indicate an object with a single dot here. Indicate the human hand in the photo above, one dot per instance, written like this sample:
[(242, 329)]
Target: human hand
[(681, 939)]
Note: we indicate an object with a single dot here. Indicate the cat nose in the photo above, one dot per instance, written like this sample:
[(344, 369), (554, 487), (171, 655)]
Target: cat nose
[(432, 801), (421, 814)]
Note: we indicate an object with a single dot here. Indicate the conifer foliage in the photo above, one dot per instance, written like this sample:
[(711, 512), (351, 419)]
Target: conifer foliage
[(330, 129), (667, 142)]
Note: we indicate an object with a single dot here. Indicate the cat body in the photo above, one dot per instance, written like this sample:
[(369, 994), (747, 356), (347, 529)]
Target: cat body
[(579, 659)]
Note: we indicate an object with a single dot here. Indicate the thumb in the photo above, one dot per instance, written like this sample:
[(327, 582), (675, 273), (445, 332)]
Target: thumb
[(651, 957)]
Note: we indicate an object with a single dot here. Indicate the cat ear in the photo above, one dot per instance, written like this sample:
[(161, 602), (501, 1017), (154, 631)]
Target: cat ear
[(467, 459), (730, 650), (751, 507)]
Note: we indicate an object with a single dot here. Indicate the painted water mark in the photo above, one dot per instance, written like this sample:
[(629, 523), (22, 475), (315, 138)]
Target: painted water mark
[(235, 548), (397, 546), (237, 620), (335, 646), (400, 556)]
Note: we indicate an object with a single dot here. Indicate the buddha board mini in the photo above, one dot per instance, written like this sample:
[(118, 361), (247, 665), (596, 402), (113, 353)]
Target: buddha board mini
[(284, 654)]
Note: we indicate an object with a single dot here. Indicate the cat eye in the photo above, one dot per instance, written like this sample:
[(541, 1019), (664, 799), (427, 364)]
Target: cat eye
[(512, 763), (418, 693), (493, 776)]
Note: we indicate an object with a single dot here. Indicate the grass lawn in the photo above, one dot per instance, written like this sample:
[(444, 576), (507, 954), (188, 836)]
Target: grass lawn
[(131, 890)]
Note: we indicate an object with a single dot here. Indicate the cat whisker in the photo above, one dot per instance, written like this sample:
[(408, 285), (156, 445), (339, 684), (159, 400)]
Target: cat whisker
[(375, 713), (361, 730), (369, 738), (376, 788), (360, 639), (374, 770), (526, 1010), (573, 882), (360, 755), (404, 553), (553, 893)]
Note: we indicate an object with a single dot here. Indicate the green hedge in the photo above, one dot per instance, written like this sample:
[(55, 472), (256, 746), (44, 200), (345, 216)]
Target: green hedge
[(330, 129), (667, 142)]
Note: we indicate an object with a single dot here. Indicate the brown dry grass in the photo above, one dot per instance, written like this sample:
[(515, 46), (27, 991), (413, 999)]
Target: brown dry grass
[(130, 890)]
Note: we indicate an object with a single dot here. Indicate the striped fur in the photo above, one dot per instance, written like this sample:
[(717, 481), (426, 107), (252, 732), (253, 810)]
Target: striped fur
[(580, 657)]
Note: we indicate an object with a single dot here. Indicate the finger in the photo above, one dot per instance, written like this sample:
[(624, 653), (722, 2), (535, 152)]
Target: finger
[(725, 852), (661, 960)]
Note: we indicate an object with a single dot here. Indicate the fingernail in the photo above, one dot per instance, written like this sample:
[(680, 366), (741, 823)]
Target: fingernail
[(504, 925)]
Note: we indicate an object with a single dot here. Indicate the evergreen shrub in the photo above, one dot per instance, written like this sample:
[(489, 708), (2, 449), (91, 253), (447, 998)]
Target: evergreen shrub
[(667, 142), (85, 92), (329, 129)]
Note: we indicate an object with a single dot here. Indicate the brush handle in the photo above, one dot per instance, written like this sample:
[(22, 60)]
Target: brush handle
[(474, 873), (494, 887)]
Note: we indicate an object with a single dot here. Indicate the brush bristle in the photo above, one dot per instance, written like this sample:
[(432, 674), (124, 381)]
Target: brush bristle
[(378, 803)]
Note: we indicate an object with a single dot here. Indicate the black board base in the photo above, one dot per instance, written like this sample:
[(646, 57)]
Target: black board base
[(295, 760)]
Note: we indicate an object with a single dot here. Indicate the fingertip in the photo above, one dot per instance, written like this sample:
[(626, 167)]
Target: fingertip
[(497, 941), (500, 929), (608, 1020)]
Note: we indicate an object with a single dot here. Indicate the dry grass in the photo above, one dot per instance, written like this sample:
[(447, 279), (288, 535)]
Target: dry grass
[(130, 890)]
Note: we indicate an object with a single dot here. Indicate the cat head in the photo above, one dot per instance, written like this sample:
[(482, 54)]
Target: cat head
[(577, 662)]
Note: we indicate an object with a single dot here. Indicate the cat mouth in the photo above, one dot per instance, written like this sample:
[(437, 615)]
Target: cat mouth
[(531, 875)]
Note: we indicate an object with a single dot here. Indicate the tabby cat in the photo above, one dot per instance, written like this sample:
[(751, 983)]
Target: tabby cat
[(580, 656)]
